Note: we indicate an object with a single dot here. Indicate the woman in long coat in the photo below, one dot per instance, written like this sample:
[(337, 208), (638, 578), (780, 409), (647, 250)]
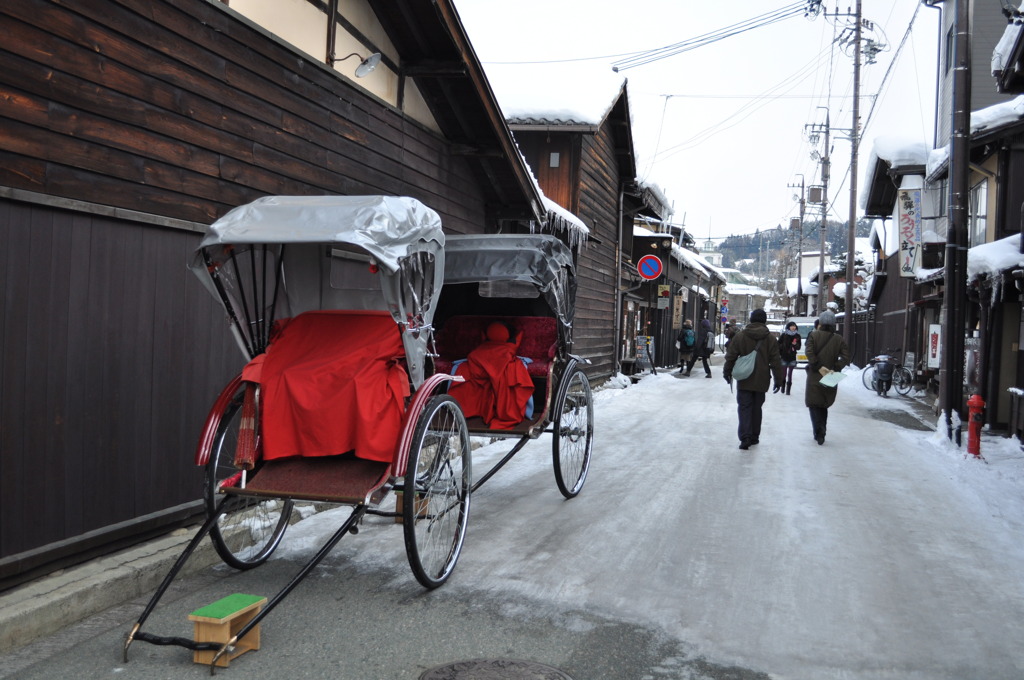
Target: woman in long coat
[(825, 349)]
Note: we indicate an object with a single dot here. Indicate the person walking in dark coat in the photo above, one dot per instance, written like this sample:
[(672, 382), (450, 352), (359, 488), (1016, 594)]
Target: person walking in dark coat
[(750, 391), (789, 345), (705, 346), (826, 351), (686, 341)]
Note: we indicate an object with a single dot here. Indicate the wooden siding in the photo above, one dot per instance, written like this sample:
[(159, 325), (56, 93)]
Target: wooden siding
[(599, 186), (112, 354), (177, 108)]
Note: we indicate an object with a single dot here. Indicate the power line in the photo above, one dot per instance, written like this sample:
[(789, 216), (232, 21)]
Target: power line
[(659, 53)]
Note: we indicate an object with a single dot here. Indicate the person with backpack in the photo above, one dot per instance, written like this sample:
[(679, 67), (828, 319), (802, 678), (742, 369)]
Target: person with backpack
[(826, 351), (705, 346), (685, 341), (753, 356), (789, 345)]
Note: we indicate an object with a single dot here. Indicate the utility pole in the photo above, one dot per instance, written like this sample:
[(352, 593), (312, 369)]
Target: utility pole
[(800, 248), (955, 301), (825, 163), (851, 243)]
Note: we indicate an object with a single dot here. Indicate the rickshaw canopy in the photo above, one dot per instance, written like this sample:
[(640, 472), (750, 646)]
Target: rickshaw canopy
[(280, 256), (538, 259), (386, 227)]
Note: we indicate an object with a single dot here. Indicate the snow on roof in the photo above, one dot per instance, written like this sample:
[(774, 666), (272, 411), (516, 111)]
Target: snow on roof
[(995, 257), (1004, 47), (988, 118), (734, 289), (576, 222), (555, 93), (897, 152), (807, 287)]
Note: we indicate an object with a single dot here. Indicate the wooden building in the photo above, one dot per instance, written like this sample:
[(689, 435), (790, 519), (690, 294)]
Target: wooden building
[(128, 126), (585, 162)]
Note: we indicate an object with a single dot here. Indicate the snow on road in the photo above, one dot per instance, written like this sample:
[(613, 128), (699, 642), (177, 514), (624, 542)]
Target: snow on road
[(885, 553)]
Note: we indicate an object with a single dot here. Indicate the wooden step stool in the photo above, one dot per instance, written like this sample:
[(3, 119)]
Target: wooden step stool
[(220, 621)]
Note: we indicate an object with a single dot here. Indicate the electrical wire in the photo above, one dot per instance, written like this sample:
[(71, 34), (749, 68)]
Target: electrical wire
[(744, 112), (666, 51)]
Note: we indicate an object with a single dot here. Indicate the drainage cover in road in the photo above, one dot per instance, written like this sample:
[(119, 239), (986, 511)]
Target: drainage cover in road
[(494, 669)]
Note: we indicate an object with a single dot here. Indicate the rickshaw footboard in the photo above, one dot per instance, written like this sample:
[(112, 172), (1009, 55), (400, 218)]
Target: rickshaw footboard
[(332, 479)]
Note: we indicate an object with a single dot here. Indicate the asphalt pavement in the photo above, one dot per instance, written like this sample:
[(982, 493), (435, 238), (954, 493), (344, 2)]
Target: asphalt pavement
[(352, 619)]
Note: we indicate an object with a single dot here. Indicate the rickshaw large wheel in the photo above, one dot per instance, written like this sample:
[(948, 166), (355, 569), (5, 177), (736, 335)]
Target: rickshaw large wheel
[(435, 503), (249, 529), (573, 433)]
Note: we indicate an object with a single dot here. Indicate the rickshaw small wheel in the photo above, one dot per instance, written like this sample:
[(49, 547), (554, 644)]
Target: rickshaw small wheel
[(249, 529)]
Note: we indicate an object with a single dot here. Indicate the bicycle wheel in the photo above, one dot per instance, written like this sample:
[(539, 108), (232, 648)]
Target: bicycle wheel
[(573, 437), (249, 529), (435, 508), (868, 376), (903, 380)]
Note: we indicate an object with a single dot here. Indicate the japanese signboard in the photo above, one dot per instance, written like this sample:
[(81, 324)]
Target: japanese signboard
[(934, 345), (908, 205)]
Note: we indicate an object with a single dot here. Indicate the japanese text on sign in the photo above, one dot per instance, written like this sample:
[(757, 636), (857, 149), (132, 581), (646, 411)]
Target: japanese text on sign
[(909, 214)]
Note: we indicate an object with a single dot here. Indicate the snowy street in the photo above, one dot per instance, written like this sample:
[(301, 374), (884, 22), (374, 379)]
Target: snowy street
[(884, 554)]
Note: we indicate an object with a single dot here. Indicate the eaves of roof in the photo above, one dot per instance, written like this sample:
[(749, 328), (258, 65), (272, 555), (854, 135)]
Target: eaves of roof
[(436, 53)]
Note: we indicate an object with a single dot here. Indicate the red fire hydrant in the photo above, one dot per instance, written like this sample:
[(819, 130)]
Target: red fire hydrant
[(976, 410)]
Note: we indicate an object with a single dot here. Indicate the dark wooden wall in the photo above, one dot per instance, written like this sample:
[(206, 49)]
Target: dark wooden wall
[(598, 207), (112, 353), (176, 108), (892, 327)]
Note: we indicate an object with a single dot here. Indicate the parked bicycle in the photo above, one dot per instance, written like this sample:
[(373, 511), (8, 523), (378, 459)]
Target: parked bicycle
[(884, 372)]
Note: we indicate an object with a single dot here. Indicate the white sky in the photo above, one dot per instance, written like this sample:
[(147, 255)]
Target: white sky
[(723, 124)]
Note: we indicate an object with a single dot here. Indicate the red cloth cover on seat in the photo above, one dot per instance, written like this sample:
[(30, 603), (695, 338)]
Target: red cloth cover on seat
[(497, 385), (331, 383)]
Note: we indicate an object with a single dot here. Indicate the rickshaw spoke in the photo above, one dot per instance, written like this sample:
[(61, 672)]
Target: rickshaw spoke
[(438, 477)]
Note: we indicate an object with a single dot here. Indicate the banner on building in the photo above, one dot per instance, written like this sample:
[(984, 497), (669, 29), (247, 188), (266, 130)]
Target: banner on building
[(934, 345), (908, 204)]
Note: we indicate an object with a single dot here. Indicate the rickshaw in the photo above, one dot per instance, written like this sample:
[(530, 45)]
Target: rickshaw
[(343, 400), (529, 282)]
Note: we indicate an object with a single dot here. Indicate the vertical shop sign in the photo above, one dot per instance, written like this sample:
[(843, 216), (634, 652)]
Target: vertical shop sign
[(908, 203), (934, 345)]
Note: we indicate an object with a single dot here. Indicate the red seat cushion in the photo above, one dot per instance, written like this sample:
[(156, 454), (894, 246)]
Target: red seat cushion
[(331, 383), (460, 335)]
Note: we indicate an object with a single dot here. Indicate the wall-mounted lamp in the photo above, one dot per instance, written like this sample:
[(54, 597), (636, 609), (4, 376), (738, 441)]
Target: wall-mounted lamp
[(365, 66)]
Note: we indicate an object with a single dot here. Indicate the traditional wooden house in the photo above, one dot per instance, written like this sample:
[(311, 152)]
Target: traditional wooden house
[(904, 295), (575, 131), (128, 126)]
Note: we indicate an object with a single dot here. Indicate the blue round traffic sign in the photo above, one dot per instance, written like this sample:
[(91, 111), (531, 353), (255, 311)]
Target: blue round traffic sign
[(650, 267)]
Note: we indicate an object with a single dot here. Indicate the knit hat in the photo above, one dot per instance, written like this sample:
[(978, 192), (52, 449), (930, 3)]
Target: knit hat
[(827, 319), (759, 316), (497, 332)]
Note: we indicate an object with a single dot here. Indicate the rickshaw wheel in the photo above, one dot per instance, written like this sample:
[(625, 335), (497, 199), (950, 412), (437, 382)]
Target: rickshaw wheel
[(249, 529), (436, 493), (573, 438)]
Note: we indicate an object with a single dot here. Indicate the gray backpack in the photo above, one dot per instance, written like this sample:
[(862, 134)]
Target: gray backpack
[(744, 366)]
